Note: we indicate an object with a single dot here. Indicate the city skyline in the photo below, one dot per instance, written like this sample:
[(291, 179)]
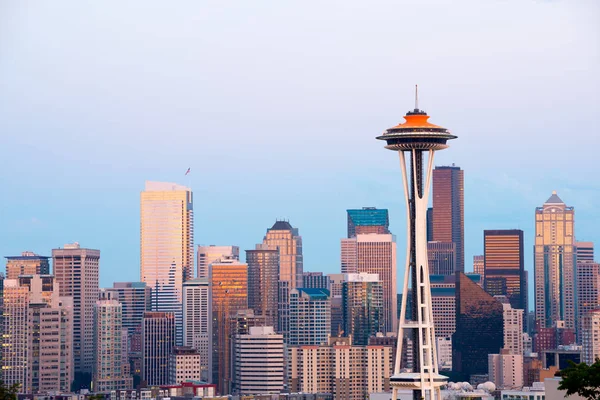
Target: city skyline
[(144, 135)]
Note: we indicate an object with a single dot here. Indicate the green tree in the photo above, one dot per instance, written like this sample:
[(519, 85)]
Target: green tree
[(9, 392), (581, 379)]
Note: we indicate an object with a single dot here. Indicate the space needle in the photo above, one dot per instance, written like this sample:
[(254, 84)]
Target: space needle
[(416, 141)]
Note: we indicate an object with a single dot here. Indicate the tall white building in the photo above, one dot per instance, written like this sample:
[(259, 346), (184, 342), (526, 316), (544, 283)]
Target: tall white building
[(506, 370), (185, 365), (513, 329), (444, 353), (197, 322), (207, 255), (590, 336), (310, 317), (110, 368), (258, 364), (374, 254)]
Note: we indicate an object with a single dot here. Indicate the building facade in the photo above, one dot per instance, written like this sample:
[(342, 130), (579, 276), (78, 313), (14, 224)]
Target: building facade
[(185, 365), (449, 210), (362, 304), (166, 235), (506, 370), (504, 268), (263, 281), (310, 317), (198, 323), (368, 220), (76, 271), (588, 291), (441, 257), (158, 340), (258, 366), (590, 337), (315, 280), (554, 264), (229, 283), (375, 254), (208, 254), (111, 366), (135, 301), (28, 263)]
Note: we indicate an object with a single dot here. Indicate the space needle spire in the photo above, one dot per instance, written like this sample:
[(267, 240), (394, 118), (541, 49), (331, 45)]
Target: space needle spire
[(416, 141)]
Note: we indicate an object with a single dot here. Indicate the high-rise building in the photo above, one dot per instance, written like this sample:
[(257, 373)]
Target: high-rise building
[(362, 303), (111, 367), (135, 300), (479, 266), (315, 280), (449, 209), (167, 235), (506, 370), (554, 261), (28, 263), (197, 323), (37, 343), (444, 353), (158, 340), (287, 240), (588, 290), (185, 365), (479, 328), (513, 328), (419, 139), (229, 283), (442, 258), (165, 297), (368, 220), (374, 254), (590, 336), (310, 317), (258, 363), (340, 369), (584, 251), (76, 271), (208, 254), (263, 278), (429, 219), (336, 282), (504, 269)]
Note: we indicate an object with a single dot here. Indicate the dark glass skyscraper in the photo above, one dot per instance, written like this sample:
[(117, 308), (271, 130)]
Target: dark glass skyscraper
[(504, 268), (479, 328), (362, 304), (449, 210), (315, 280), (368, 220)]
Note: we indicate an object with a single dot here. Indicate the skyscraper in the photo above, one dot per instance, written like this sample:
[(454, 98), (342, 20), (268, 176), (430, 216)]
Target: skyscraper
[(229, 283), (310, 317), (263, 278), (479, 266), (158, 340), (77, 272), (258, 362), (479, 328), (315, 280), (375, 254), (368, 220), (504, 269), (588, 291), (111, 370), (37, 346), (135, 301), (420, 139), (554, 259), (208, 254), (591, 336), (197, 322), (584, 251), (449, 210), (287, 240), (167, 235), (442, 258), (362, 299), (165, 298), (336, 282), (28, 263)]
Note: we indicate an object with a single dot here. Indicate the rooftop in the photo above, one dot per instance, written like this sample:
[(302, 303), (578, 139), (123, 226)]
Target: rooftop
[(554, 199), (281, 226), (368, 216)]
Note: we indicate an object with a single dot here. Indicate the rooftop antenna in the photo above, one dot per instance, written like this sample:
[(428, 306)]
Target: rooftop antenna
[(416, 97)]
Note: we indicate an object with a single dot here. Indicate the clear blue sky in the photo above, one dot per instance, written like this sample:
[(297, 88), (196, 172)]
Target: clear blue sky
[(275, 106)]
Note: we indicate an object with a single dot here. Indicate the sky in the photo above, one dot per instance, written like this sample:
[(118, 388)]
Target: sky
[(275, 107)]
